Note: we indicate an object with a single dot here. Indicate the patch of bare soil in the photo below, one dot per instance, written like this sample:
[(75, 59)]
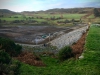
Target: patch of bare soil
[(30, 58), (28, 34), (78, 47)]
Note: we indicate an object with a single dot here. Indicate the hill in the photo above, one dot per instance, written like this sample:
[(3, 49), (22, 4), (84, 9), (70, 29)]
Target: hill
[(6, 11), (55, 10), (63, 10), (72, 10)]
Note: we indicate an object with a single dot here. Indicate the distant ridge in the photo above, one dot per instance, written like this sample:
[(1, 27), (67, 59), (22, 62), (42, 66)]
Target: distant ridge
[(55, 10), (6, 11), (72, 10), (63, 10)]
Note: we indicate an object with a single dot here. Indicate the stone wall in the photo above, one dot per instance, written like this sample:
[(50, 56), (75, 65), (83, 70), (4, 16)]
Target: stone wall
[(69, 38)]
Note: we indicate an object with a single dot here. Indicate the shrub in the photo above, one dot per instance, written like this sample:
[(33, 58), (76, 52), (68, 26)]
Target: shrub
[(9, 69), (16, 21), (4, 57), (65, 53), (15, 67), (18, 49), (10, 47)]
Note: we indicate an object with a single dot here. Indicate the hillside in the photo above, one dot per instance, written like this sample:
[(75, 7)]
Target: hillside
[(58, 16), (71, 10), (64, 10), (56, 10), (6, 11)]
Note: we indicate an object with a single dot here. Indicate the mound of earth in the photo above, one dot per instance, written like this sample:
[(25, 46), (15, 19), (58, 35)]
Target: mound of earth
[(78, 47), (30, 58)]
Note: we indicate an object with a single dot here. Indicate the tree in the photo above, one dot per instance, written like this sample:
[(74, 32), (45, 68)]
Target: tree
[(96, 12)]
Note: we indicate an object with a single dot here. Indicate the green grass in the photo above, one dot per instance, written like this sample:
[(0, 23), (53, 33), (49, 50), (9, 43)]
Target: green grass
[(44, 16), (17, 16), (40, 20), (89, 65), (91, 16), (68, 16), (20, 17), (73, 16), (12, 19), (93, 40)]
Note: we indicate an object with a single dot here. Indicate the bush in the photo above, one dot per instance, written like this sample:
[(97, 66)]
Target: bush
[(10, 69), (10, 47), (65, 53), (4, 57), (18, 49)]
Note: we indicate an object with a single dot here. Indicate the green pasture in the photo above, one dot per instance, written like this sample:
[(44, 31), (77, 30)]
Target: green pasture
[(12, 19), (73, 16), (17, 16), (68, 16), (40, 20), (89, 65), (93, 39), (42, 17), (21, 17), (91, 16)]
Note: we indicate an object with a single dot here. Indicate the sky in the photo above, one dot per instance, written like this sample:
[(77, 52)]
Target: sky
[(36, 5)]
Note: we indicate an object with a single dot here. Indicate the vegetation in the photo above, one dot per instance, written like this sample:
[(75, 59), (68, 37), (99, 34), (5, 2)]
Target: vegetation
[(4, 57), (55, 17), (96, 12), (72, 10), (93, 39), (6, 11), (88, 65), (65, 53), (10, 47), (8, 66), (35, 18), (12, 68)]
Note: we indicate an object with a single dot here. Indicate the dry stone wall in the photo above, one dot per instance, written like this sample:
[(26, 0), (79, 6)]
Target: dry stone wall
[(68, 38)]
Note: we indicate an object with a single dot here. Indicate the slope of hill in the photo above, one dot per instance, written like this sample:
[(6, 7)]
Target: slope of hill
[(71, 10), (63, 10), (6, 11), (56, 10)]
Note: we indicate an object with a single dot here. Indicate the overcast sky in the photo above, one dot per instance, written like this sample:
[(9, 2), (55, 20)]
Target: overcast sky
[(36, 5)]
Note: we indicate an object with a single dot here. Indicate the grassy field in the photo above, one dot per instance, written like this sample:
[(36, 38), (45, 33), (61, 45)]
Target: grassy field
[(70, 16), (47, 19), (89, 65), (65, 16), (91, 16), (12, 19), (73, 16)]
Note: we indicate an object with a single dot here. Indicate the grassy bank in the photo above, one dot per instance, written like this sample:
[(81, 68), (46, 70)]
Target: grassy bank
[(89, 65)]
